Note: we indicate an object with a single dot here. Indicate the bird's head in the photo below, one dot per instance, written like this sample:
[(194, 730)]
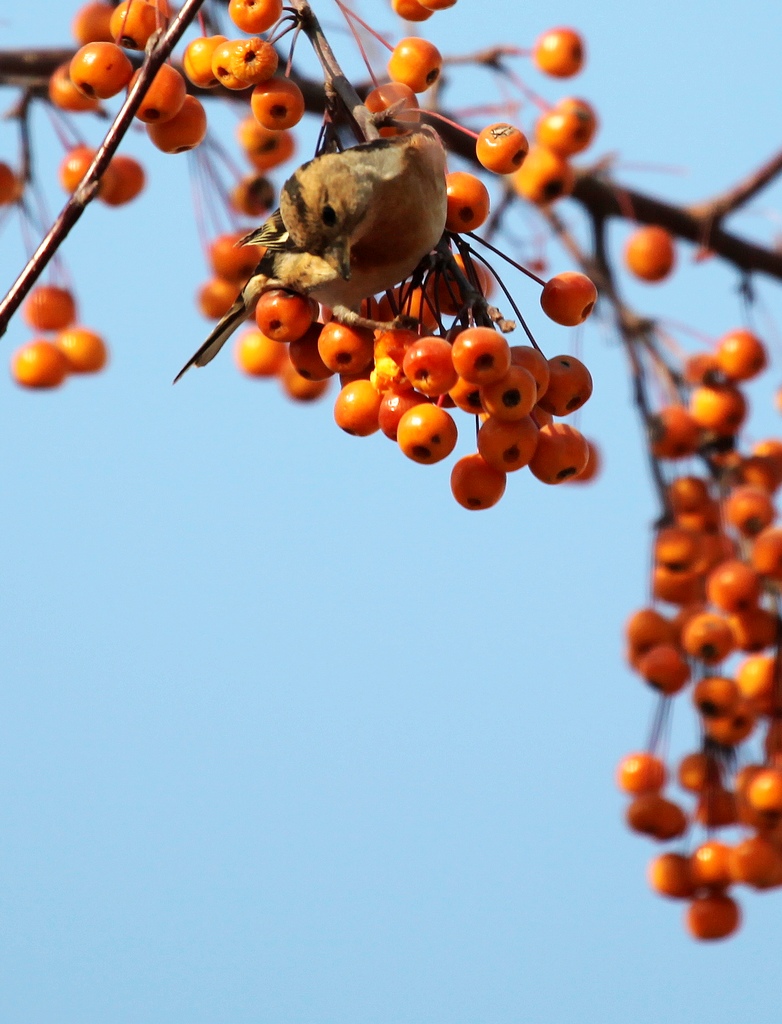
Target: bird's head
[(322, 205)]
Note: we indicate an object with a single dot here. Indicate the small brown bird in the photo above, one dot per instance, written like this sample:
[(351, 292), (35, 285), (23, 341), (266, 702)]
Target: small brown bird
[(350, 225)]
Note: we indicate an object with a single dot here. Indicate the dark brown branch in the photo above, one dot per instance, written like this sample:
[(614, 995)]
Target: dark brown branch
[(738, 196), (157, 52), (602, 199), (334, 79)]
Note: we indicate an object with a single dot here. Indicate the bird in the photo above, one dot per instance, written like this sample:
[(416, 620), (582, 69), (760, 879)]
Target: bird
[(349, 225)]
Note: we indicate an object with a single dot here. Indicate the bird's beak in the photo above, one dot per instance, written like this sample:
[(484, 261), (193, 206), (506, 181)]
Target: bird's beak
[(339, 258)]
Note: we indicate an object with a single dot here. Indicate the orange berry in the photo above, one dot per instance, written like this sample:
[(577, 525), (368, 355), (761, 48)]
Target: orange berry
[(542, 417), (543, 177), (732, 729), (674, 433), (346, 349), (428, 365), (305, 357), (259, 356), (670, 875), (559, 52), (393, 406), (640, 773), (224, 56), (532, 359), (664, 668), (680, 588), (65, 95), (475, 484), (10, 185), (501, 148), (468, 201), (698, 771), (216, 297), (720, 409), (391, 94), (122, 181), (677, 549), (741, 355), (277, 103), (649, 253), (749, 509), (265, 149), (765, 791), (356, 408), (133, 22), (507, 445), (567, 129), (561, 452), (416, 63), (84, 349), (284, 315), (569, 386), (512, 397), (39, 364), (253, 195), (754, 629), (715, 696), (714, 916), (646, 628), (231, 261), (767, 553), (733, 586), (688, 494), (701, 368), (254, 16), (481, 355), (183, 132), (164, 96), (426, 434), (466, 396), (708, 637), (755, 678), (197, 60), (568, 298), (755, 861), (74, 166), (709, 865), (653, 815), (437, 5), (91, 23), (251, 61), (411, 10), (298, 388), (49, 308), (100, 70)]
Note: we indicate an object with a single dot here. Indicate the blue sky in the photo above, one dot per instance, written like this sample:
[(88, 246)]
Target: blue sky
[(286, 735)]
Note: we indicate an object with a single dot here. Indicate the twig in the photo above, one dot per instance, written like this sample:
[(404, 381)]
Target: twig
[(86, 191)]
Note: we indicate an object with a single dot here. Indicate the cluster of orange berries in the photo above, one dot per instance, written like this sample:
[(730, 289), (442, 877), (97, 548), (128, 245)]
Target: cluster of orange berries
[(44, 362), (718, 560), (407, 384)]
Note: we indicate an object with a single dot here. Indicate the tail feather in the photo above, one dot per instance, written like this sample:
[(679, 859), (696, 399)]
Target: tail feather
[(235, 316)]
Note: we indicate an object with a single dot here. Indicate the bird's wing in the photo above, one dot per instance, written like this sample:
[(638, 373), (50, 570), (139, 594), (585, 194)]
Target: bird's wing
[(272, 234)]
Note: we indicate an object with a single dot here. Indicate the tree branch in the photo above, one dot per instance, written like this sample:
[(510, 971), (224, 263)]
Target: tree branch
[(88, 187)]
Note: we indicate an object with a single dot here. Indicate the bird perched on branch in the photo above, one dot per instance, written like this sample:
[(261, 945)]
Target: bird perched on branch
[(350, 225)]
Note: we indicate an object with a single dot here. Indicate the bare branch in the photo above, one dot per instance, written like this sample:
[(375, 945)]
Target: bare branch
[(738, 196)]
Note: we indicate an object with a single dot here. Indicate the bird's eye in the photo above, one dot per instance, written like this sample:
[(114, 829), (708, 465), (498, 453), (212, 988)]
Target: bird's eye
[(329, 216)]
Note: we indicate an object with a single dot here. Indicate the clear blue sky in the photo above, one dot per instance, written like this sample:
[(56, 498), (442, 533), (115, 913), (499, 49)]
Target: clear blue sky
[(286, 735)]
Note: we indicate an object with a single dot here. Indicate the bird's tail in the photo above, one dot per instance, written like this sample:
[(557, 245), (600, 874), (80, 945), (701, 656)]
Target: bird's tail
[(235, 316)]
